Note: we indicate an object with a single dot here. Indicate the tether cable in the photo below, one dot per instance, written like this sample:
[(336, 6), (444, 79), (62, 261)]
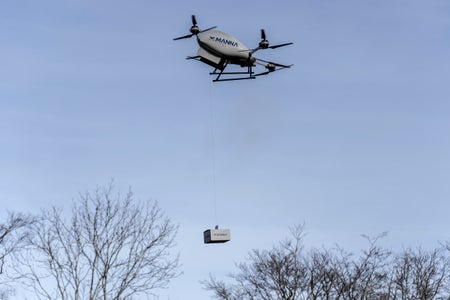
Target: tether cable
[(213, 150)]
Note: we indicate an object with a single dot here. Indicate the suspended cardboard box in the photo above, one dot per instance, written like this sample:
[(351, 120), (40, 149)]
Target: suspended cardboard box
[(217, 235)]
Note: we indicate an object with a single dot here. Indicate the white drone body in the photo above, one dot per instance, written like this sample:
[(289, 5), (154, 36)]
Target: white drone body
[(219, 49), (217, 46)]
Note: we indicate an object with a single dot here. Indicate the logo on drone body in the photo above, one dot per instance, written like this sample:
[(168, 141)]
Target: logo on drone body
[(224, 41)]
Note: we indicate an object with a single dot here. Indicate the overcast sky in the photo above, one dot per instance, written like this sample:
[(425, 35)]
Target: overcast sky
[(354, 139)]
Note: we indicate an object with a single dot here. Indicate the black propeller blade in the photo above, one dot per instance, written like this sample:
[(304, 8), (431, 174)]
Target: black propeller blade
[(183, 37), (208, 29), (280, 45), (263, 34), (194, 29)]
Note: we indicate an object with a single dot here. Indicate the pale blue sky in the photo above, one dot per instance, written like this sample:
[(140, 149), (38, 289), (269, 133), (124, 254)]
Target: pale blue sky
[(354, 139)]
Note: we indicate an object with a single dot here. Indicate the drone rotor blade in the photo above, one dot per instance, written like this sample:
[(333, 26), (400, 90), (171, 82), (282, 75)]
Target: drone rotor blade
[(208, 29), (183, 37), (194, 29), (280, 45), (263, 34)]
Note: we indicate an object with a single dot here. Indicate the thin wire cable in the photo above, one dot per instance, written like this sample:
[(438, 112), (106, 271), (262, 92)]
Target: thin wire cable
[(213, 152)]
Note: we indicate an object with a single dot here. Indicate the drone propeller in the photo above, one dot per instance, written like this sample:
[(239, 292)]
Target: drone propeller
[(194, 29), (264, 44)]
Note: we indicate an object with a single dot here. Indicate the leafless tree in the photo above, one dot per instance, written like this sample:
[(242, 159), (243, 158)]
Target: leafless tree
[(12, 235), (111, 248), (321, 275), (364, 277), (420, 274), (278, 273), (288, 272)]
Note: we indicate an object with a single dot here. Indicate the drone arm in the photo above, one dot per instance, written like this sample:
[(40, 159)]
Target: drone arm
[(271, 66)]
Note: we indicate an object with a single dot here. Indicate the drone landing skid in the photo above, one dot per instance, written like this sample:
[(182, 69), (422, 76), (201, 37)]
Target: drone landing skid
[(219, 74), (249, 72), (220, 68)]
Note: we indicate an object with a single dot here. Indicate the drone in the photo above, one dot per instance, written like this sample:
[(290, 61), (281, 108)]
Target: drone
[(219, 49)]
